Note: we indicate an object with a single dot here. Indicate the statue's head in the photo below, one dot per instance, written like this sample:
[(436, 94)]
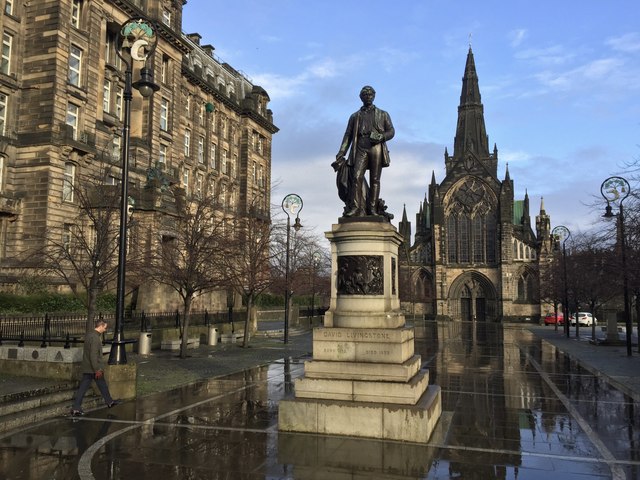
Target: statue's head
[(367, 90)]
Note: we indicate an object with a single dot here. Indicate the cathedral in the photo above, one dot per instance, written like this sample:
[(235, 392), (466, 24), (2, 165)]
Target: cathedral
[(474, 254)]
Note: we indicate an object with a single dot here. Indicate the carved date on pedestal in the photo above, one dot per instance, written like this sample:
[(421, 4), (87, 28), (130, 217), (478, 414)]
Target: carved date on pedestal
[(360, 275)]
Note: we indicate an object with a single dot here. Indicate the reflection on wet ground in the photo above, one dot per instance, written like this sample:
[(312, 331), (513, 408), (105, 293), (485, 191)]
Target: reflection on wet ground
[(514, 408)]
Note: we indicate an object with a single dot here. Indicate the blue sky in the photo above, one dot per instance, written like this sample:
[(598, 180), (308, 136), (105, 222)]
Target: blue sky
[(560, 84)]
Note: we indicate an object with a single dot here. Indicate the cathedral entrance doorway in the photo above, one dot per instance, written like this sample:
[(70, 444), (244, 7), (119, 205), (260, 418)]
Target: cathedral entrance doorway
[(472, 297)]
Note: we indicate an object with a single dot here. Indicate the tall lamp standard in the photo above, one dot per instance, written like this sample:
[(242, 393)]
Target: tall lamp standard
[(562, 233), (617, 189), (315, 259), (136, 42), (291, 204)]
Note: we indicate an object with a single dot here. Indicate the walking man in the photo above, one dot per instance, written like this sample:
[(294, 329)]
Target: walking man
[(92, 368)]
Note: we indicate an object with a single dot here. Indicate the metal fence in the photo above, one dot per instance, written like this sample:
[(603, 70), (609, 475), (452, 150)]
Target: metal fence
[(70, 329)]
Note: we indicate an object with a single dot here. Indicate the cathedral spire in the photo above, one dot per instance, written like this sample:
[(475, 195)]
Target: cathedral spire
[(507, 177), (470, 133)]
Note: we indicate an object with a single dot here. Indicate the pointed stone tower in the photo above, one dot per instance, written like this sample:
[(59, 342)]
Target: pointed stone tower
[(474, 246)]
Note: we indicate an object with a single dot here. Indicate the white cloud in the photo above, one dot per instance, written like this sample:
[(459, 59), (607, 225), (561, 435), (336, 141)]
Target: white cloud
[(628, 43), (517, 36), (605, 69), (553, 55)]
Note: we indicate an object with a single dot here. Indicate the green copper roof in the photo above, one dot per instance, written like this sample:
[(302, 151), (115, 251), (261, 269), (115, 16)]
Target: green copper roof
[(518, 210)]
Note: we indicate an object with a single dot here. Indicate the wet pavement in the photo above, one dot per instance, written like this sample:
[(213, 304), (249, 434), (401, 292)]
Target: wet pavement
[(514, 407)]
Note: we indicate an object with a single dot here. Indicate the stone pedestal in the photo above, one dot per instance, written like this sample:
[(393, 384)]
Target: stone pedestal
[(365, 379)]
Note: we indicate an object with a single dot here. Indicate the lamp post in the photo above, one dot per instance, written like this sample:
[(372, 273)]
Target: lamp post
[(562, 233), (136, 42), (291, 204), (315, 259), (617, 189)]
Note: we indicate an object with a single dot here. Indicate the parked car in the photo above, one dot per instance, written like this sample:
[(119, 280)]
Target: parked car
[(550, 319), (585, 319)]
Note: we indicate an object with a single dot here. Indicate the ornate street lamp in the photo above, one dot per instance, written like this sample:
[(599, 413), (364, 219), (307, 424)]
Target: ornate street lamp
[(315, 259), (562, 233), (291, 204), (617, 189), (136, 42)]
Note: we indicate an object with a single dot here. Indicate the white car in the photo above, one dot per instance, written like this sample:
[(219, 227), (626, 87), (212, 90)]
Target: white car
[(585, 319)]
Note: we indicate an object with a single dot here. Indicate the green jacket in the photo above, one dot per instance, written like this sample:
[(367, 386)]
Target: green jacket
[(92, 358)]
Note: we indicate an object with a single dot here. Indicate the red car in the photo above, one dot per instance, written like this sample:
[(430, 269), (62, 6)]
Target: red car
[(550, 319)]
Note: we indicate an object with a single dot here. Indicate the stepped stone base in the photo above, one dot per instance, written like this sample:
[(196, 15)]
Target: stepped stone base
[(402, 372), (374, 345), (409, 423), (403, 393), (365, 378)]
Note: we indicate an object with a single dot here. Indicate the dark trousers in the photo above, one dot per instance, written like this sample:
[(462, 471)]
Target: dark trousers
[(85, 383), (367, 157)]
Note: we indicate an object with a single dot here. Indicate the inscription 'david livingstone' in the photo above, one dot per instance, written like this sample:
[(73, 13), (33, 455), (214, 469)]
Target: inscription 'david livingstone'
[(337, 334), (360, 275)]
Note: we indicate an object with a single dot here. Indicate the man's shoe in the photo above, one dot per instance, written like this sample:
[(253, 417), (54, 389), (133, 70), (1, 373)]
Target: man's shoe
[(76, 413), (114, 403)]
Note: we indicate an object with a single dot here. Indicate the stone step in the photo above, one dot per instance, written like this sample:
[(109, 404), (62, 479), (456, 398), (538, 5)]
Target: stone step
[(35, 399), (37, 408)]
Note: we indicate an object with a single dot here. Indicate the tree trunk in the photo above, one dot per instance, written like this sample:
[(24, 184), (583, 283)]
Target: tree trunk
[(92, 300), (247, 321), (185, 326)]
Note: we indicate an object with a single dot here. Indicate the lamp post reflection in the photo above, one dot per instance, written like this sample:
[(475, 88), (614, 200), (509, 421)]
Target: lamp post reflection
[(291, 205), (562, 233), (136, 42), (617, 189)]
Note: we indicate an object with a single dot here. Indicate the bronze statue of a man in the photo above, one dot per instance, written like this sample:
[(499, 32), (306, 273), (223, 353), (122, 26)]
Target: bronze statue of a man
[(367, 134)]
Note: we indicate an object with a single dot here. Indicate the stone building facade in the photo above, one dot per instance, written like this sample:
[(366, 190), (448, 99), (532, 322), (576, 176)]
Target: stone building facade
[(208, 127), (474, 254)]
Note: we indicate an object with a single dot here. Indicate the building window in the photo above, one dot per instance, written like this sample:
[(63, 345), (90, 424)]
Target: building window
[(185, 180), (76, 11), (75, 64), (117, 147), (212, 159), (162, 155), (254, 173), (106, 96), (187, 106), (3, 113), (201, 114), (66, 237), (7, 42), (73, 113), (187, 142), (68, 182), (164, 69), (8, 7), (200, 149), (260, 176), (166, 17), (199, 183), (119, 102), (164, 114), (223, 162), (463, 238), (1, 173)]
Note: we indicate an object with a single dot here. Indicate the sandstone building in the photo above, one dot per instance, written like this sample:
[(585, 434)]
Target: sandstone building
[(208, 127), (474, 254)]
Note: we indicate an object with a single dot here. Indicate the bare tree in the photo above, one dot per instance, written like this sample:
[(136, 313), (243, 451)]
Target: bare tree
[(246, 259), (83, 251), (185, 259)]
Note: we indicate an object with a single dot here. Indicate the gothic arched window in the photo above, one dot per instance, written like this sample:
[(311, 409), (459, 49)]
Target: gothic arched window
[(471, 224)]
